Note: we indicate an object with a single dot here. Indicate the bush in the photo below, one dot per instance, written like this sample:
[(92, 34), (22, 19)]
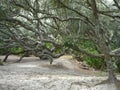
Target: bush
[(95, 63), (14, 50)]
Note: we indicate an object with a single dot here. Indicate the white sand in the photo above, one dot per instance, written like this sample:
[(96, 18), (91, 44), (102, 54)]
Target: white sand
[(39, 75)]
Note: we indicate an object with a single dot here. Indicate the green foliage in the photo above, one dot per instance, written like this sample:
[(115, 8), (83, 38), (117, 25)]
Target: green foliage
[(16, 49), (2, 14), (3, 51), (95, 63), (58, 4), (118, 66), (49, 45), (89, 45), (67, 44)]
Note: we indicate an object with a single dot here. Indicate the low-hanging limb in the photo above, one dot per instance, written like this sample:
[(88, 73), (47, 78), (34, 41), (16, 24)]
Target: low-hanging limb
[(84, 51)]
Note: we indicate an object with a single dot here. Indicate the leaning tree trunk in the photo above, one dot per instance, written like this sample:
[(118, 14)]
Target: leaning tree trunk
[(6, 57), (110, 63), (112, 79), (111, 70)]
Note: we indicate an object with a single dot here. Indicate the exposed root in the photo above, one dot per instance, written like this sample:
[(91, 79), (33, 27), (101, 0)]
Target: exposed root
[(79, 84), (108, 81)]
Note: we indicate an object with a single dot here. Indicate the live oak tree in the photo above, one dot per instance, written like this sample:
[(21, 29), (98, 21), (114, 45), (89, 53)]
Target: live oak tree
[(96, 16), (45, 27), (27, 29)]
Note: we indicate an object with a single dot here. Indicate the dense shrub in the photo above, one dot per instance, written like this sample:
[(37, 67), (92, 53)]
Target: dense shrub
[(13, 50), (95, 63)]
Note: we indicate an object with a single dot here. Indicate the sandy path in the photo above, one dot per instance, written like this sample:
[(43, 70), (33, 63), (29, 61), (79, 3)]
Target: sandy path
[(35, 74)]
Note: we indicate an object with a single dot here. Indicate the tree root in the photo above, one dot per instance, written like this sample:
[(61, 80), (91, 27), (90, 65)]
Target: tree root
[(108, 81)]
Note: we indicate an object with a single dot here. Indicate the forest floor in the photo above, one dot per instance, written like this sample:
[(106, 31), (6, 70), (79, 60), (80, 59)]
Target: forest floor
[(64, 74)]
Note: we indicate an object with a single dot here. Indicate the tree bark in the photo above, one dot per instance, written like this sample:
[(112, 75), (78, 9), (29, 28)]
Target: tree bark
[(5, 59), (111, 71)]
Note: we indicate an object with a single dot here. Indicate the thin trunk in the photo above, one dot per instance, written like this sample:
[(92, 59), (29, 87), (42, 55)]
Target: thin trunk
[(5, 59), (22, 57)]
